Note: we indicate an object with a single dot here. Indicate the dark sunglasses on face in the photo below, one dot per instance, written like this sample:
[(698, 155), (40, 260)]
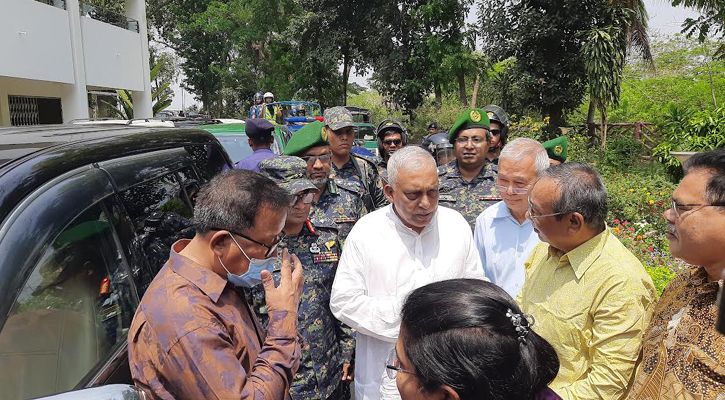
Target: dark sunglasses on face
[(305, 197), (324, 158), (495, 132), (397, 142), (270, 249)]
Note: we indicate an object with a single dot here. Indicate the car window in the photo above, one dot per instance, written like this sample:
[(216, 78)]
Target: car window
[(209, 160), (365, 132), (162, 215), (73, 311), (236, 146)]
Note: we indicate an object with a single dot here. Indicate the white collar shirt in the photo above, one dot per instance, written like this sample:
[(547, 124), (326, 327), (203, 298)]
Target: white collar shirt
[(504, 245), (382, 262)]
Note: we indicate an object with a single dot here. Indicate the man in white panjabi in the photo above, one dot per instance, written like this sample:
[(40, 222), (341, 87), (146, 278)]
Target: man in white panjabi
[(391, 252)]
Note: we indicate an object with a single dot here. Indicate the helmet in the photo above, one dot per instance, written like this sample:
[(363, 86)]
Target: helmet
[(440, 147), (385, 126), (433, 125), (268, 94), (258, 97), (497, 114)]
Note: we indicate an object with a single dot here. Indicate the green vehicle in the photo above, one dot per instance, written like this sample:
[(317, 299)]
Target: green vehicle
[(234, 139), (364, 128)]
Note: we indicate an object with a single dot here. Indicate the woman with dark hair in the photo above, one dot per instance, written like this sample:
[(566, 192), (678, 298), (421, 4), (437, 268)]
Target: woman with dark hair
[(466, 339)]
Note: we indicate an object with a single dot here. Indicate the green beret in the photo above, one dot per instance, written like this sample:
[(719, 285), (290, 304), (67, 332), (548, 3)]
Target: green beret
[(311, 135), (473, 118), (556, 148)]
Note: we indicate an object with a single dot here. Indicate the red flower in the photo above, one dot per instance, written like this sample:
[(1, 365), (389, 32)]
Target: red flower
[(616, 221), (650, 249)]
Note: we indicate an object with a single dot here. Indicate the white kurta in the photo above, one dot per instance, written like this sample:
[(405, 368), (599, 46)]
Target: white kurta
[(381, 263)]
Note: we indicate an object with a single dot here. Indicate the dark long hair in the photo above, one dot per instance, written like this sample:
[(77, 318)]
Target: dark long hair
[(456, 333)]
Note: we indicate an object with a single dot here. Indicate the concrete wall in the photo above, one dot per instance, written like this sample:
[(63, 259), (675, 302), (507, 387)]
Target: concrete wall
[(27, 87), (112, 56), (35, 42)]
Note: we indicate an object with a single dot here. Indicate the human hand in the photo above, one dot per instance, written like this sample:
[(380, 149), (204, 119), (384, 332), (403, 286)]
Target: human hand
[(286, 296), (348, 372)]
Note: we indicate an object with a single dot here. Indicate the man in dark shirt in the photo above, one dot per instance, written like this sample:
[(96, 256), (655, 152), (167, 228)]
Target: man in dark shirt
[(259, 131), (194, 336)]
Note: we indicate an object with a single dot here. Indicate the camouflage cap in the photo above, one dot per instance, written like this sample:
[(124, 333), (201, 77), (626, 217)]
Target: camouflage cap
[(311, 135), (290, 173), (338, 118), (473, 118), (557, 148)]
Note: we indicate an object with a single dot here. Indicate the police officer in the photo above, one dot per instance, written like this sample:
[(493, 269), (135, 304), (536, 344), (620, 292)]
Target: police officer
[(335, 198), (259, 133), (358, 170), (557, 149), (271, 113), (439, 147), (392, 136), (499, 122), (433, 128), (467, 184), (257, 109), (327, 345)]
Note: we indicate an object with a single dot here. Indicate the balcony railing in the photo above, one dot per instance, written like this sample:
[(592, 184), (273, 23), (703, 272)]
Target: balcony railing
[(108, 16), (54, 3)]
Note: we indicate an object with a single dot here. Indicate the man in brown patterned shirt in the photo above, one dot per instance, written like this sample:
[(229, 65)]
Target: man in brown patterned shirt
[(194, 336), (683, 355)]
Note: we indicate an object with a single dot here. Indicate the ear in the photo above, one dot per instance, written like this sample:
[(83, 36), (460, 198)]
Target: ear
[(388, 192), (576, 223), (250, 142), (448, 393), (219, 243)]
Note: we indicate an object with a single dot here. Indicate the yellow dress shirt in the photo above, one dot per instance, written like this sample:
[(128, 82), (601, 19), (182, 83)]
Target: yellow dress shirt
[(592, 304)]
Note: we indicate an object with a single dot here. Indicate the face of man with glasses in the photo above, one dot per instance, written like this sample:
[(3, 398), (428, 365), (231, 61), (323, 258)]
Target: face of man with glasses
[(318, 164), (471, 147), (696, 227), (392, 141), (514, 181), (555, 231)]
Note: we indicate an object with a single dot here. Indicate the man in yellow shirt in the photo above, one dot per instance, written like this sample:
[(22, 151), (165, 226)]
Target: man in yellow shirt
[(591, 297)]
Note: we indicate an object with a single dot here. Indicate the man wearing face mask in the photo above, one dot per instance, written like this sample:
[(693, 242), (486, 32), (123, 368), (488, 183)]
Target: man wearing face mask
[(194, 336), (324, 371)]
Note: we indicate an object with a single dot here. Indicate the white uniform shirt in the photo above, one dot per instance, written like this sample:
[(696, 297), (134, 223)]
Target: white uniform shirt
[(504, 245), (382, 262)]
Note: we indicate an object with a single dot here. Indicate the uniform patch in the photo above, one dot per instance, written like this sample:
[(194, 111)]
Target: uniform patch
[(558, 150), (314, 249), (491, 198), (446, 197), (326, 257), (329, 245), (490, 114), (343, 220), (475, 116), (323, 134)]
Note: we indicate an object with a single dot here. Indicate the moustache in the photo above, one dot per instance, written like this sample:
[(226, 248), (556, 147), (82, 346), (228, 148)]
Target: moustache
[(671, 230)]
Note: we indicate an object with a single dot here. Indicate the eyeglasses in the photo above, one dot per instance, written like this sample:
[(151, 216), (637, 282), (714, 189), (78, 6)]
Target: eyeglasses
[(388, 142), (392, 368), (533, 216), (311, 160), (270, 249), (515, 190), (477, 140), (305, 197), (676, 206), (495, 132)]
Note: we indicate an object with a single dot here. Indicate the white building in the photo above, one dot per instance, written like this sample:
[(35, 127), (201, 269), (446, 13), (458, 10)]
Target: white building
[(54, 52)]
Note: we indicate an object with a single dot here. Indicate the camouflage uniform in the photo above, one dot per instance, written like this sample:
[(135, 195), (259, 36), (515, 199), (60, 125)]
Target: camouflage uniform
[(327, 343), (468, 198)]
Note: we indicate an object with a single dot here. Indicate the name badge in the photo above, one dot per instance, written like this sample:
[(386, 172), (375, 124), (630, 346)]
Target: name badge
[(446, 197)]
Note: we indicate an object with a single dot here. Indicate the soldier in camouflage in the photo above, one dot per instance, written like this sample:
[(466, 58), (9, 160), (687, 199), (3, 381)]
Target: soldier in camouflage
[(338, 199), (327, 344), (467, 184)]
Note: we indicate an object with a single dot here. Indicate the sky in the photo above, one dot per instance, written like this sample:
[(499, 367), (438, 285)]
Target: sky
[(663, 18)]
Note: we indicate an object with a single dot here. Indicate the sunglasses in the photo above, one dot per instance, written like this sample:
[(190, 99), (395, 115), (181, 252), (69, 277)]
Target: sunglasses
[(311, 160), (305, 197), (495, 132), (397, 142)]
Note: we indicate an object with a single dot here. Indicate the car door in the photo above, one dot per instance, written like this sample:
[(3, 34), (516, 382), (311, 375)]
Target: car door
[(67, 299)]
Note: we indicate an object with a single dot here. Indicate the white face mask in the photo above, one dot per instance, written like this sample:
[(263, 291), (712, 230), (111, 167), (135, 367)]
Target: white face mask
[(253, 276)]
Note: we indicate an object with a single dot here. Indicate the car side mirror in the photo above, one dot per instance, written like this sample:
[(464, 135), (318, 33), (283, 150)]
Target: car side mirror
[(107, 392)]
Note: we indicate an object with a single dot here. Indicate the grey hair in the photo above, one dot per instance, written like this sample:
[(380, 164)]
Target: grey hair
[(409, 158), (232, 199), (581, 190), (521, 148)]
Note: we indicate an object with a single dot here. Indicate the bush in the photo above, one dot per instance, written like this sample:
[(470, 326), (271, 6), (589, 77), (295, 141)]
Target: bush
[(621, 153)]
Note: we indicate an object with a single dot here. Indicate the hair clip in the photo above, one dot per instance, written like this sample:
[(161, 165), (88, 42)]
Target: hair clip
[(522, 323)]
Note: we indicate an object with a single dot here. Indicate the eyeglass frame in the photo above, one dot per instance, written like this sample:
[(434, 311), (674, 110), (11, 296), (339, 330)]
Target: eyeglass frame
[(464, 140), (390, 142), (392, 370), (311, 160), (532, 216), (270, 249), (504, 188), (307, 197), (675, 205)]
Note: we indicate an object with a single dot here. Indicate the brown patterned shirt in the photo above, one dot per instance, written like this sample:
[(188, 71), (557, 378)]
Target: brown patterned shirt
[(683, 356), (195, 337)]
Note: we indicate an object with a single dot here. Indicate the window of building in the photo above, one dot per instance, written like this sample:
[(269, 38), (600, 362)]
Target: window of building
[(25, 110)]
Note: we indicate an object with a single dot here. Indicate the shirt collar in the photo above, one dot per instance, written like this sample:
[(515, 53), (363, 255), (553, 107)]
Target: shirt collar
[(503, 211), (699, 280), (581, 258), (263, 150), (399, 222), (206, 280)]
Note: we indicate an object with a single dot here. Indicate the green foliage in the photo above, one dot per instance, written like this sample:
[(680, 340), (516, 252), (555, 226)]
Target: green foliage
[(160, 95), (711, 21), (622, 153)]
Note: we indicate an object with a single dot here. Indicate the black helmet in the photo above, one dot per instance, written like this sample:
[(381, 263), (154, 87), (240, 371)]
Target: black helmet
[(439, 147), (497, 114), (385, 126), (433, 125)]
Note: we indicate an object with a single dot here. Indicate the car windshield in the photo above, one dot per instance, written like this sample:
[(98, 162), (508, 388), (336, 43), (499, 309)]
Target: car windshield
[(365, 132), (236, 146)]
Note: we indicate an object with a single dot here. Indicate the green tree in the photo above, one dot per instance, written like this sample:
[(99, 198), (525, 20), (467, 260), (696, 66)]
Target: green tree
[(161, 95), (710, 22)]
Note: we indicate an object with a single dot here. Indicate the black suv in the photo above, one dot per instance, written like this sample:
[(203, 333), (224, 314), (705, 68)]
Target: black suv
[(87, 217)]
